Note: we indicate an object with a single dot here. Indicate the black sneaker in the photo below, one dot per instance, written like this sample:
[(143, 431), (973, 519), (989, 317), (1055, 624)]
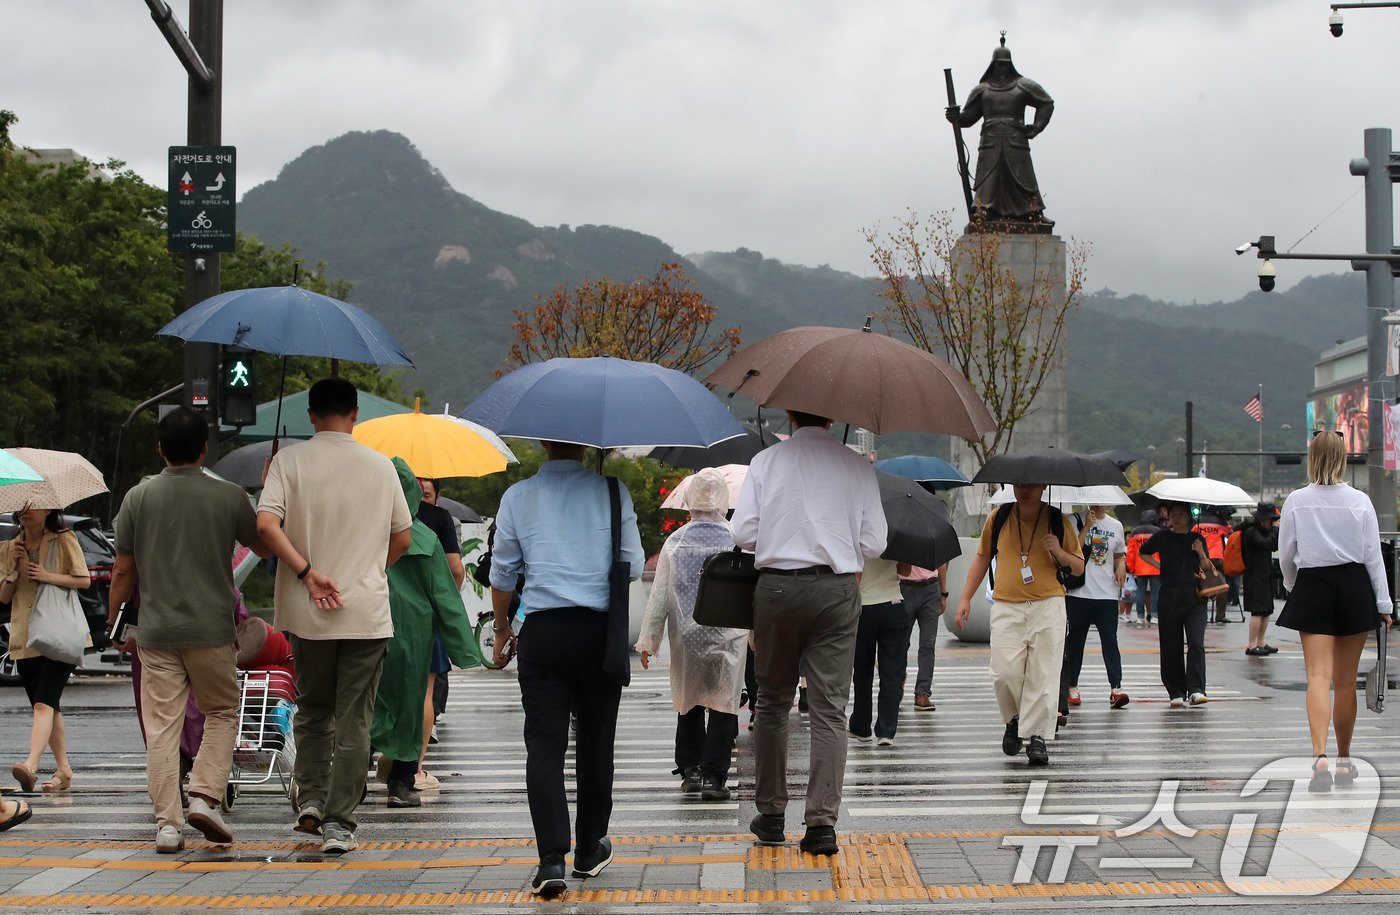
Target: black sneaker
[(802, 698), (690, 780), (769, 828), (1036, 752), (713, 789), (401, 795), (820, 840), (1011, 740), (548, 881), (592, 865)]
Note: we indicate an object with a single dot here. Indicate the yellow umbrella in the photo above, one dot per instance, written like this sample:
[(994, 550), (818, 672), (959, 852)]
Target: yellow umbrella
[(433, 446)]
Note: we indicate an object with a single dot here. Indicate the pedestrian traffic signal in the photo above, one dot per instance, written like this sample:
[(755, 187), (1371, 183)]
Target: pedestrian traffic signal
[(240, 405)]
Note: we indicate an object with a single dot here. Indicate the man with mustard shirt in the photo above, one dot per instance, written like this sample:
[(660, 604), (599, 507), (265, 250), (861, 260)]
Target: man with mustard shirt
[(1028, 614)]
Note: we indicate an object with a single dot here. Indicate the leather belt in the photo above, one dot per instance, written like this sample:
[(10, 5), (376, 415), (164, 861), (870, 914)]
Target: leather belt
[(805, 570)]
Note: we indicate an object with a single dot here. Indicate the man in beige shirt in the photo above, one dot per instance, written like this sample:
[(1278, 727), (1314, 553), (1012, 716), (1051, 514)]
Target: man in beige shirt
[(1028, 614), (334, 513)]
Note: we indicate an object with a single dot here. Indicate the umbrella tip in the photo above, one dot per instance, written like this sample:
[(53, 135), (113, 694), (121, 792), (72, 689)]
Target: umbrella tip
[(417, 405), (868, 319)]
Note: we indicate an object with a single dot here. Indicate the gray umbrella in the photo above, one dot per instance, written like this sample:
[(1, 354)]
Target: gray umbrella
[(1051, 466), (455, 509), (919, 530), (244, 466)]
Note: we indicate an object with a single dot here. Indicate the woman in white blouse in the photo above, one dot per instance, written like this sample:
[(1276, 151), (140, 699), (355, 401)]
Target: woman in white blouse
[(1330, 553)]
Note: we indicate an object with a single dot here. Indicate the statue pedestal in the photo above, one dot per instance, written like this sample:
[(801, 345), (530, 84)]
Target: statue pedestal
[(1037, 262)]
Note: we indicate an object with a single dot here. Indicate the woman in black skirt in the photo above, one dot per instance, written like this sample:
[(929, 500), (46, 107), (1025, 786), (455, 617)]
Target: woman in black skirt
[(1330, 552)]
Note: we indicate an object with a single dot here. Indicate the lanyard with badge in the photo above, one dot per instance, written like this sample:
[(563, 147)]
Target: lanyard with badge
[(1027, 576)]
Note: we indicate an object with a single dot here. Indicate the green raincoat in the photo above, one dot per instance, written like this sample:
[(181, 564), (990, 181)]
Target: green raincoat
[(423, 600)]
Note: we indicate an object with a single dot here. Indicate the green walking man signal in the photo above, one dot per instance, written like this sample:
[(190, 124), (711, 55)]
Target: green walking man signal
[(240, 407)]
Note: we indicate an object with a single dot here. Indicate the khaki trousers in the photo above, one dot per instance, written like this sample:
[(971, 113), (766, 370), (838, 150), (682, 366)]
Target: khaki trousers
[(813, 618), (1028, 646), (167, 677)]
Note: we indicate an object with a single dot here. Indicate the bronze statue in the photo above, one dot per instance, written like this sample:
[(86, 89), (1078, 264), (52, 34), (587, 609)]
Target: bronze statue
[(1007, 197)]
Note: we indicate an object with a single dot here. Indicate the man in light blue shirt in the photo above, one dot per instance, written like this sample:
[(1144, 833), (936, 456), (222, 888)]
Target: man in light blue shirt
[(556, 529)]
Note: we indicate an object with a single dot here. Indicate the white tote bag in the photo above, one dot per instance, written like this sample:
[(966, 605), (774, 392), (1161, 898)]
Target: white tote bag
[(57, 628)]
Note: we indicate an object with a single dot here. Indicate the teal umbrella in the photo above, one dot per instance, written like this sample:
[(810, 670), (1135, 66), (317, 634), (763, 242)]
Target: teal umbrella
[(13, 470)]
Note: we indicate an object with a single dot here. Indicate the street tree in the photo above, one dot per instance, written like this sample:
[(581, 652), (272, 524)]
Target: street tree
[(661, 319), (955, 296)]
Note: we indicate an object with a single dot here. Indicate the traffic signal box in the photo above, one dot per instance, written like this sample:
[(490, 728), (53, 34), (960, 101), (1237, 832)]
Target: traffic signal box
[(239, 381)]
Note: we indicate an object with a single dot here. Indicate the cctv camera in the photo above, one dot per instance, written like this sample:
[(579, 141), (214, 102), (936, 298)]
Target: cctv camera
[(1334, 23), (1245, 247), (1266, 276)]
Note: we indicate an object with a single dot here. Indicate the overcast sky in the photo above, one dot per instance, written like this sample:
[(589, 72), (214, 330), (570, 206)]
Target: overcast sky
[(1181, 127)]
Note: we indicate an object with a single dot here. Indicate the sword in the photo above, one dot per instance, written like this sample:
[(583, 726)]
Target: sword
[(962, 148)]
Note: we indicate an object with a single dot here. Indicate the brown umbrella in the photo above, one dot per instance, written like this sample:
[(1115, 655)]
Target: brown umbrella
[(68, 478), (857, 377)]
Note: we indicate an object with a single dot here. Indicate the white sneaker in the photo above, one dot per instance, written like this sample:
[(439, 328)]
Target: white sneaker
[(1198, 699), (426, 782), (169, 840), (208, 821), (885, 742), (863, 738), (1178, 702)]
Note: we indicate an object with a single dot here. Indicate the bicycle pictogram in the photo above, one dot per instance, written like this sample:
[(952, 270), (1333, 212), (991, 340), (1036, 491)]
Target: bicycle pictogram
[(201, 221)]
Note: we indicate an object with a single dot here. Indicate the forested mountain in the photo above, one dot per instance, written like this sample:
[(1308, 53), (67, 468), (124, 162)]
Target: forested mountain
[(444, 271)]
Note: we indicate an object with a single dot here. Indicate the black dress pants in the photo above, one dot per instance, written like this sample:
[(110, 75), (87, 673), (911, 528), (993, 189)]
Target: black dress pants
[(709, 745), (882, 640), (1181, 617), (560, 654)]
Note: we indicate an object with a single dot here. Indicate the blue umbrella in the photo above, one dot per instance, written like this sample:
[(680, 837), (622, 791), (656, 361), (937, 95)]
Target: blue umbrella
[(603, 402), (936, 472), (288, 321)]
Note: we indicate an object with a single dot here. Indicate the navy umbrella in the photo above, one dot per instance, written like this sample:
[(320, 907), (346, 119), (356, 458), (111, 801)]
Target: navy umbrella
[(739, 450), (288, 321), (919, 530), (605, 403), (933, 471)]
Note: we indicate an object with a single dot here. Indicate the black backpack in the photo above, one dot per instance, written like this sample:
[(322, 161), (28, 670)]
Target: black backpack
[(1068, 579)]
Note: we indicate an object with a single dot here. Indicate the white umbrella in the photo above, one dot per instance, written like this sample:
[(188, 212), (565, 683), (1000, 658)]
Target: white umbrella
[(487, 434), (733, 475), (67, 478), (1069, 495), (1201, 491)]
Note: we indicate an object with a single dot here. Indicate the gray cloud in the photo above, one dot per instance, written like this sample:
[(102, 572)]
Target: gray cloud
[(1181, 128)]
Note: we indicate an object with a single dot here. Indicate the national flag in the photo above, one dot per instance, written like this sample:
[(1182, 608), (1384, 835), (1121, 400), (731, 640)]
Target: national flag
[(1255, 408)]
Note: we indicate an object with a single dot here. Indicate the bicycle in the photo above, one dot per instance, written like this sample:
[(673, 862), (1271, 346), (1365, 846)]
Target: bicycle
[(485, 632)]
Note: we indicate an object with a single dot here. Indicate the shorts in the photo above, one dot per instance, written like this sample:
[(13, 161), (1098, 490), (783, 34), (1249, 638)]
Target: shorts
[(440, 663), (1331, 600), (44, 679)]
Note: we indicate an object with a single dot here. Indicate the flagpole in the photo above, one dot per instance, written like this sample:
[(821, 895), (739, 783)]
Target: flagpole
[(1261, 442)]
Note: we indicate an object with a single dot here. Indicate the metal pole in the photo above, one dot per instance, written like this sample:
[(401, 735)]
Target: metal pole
[(1190, 439), (1261, 442), (205, 128), (1380, 168)]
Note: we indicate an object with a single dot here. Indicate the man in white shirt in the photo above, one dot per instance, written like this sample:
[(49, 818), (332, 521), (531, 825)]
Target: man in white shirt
[(1095, 603), (334, 512), (810, 510)]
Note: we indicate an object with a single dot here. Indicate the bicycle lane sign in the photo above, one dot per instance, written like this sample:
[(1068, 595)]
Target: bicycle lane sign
[(201, 207)]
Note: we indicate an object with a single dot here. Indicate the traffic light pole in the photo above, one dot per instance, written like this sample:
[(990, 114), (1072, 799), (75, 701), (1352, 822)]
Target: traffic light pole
[(1380, 169), (201, 53)]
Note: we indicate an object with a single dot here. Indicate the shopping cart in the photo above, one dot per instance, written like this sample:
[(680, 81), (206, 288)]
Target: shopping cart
[(265, 745)]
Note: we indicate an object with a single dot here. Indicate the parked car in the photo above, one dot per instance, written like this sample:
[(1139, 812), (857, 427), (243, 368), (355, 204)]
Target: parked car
[(100, 556)]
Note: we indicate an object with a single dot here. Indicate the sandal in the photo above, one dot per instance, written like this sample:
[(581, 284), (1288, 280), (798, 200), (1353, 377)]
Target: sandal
[(22, 812), (61, 781), (1321, 781), (24, 775), (1344, 775)]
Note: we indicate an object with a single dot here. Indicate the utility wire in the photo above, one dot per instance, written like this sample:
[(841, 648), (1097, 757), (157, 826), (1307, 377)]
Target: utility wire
[(1324, 219)]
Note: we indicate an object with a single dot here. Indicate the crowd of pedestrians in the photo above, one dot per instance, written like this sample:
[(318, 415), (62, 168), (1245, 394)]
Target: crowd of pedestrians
[(367, 595)]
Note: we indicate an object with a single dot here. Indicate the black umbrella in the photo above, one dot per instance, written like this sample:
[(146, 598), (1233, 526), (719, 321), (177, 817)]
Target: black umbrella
[(1122, 457), (456, 509), (1051, 466), (919, 530), (244, 466), (739, 450)]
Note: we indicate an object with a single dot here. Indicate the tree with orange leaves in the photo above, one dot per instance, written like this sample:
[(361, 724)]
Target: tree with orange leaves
[(661, 319)]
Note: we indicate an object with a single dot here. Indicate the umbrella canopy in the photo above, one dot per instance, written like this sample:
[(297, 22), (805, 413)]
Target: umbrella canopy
[(1201, 490), (298, 425), (1069, 495), (605, 403), (1119, 456), (739, 450), (734, 475), (1051, 465), (13, 470), (458, 510), (919, 530), (288, 321), (66, 478), (936, 472), (432, 446), (487, 434), (857, 377), (244, 465)]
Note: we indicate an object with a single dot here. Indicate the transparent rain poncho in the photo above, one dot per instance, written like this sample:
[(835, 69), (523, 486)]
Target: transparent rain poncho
[(707, 664)]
